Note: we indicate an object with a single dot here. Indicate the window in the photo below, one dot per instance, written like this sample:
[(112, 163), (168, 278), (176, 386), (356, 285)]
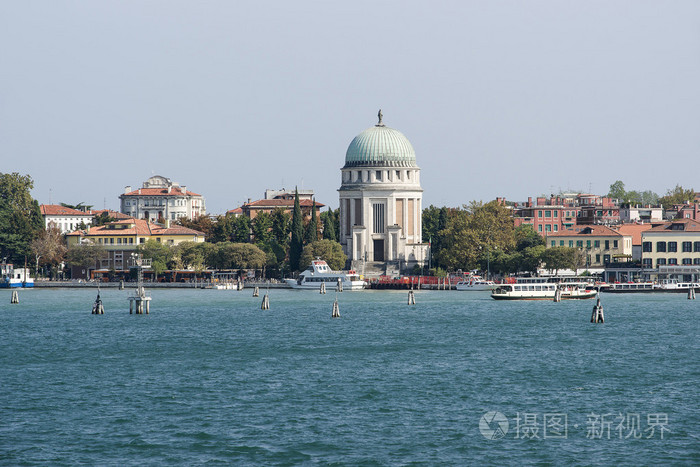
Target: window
[(548, 228), (398, 175), (131, 241), (111, 241), (597, 258), (696, 261), (378, 217), (646, 247), (687, 261), (672, 261), (99, 240), (119, 241), (696, 247), (561, 242), (661, 262), (556, 228), (687, 247), (588, 243), (571, 243), (548, 214), (556, 214), (579, 243), (142, 240), (606, 258), (539, 228), (596, 243), (661, 247), (646, 262), (614, 243), (378, 175), (158, 239), (539, 213), (607, 244), (554, 242), (672, 247)]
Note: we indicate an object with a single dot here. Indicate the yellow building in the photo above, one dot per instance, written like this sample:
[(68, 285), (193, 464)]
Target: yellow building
[(121, 238), (674, 249), (601, 244)]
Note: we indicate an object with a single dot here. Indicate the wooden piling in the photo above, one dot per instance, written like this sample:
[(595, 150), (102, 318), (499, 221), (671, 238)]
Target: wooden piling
[(265, 302), (322, 290), (256, 291), (339, 286), (97, 307), (15, 297), (336, 309), (691, 293), (411, 297), (597, 315)]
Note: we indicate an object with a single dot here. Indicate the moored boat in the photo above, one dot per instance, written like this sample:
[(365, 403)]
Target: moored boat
[(541, 291), (15, 278), (475, 284), (319, 273)]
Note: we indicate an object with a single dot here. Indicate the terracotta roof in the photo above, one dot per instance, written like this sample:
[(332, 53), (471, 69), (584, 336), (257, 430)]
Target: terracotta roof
[(635, 231), (58, 210), (138, 227), (587, 231), (175, 191), (115, 214), (278, 203), (235, 211), (679, 225)]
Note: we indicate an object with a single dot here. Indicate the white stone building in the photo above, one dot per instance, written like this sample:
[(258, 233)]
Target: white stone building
[(63, 218), (381, 200), (160, 198)]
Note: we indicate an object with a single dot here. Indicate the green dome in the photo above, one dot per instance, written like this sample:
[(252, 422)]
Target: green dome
[(380, 146)]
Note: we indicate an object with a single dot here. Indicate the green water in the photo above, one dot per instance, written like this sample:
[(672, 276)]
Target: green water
[(208, 377)]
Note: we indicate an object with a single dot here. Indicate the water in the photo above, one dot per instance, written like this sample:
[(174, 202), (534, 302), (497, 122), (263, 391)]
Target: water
[(208, 377)]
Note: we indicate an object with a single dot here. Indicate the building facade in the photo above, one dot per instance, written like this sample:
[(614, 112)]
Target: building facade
[(381, 199), (160, 198), (673, 244), (600, 244), (63, 218)]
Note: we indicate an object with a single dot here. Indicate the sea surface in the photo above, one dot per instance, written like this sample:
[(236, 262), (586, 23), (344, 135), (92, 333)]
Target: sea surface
[(457, 379)]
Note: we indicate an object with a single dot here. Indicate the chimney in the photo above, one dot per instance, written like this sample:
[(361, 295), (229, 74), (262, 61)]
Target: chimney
[(529, 201), (170, 188), (167, 223), (184, 189), (127, 189), (249, 200), (139, 190)]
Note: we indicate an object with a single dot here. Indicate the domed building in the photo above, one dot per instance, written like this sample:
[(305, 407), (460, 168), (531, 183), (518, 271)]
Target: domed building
[(381, 201)]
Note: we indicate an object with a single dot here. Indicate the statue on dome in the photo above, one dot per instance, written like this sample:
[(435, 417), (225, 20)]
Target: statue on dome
[(380, 118)]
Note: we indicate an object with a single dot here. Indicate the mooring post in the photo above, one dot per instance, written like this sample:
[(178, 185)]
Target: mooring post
[(322, 290), (411, 297), (15, 297), (336, 309), (121, 284), (256, 291), (597, 315), (339, 286)]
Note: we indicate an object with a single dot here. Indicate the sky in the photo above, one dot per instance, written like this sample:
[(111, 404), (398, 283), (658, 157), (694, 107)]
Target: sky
[(499, 98)]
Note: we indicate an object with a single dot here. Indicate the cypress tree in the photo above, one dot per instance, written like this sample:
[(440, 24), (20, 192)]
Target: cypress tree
[(312, 228), (296, 243), (329, 225)]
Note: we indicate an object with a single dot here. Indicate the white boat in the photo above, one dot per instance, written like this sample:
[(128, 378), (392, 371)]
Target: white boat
[(319, 273), (15, 278), (475, 284), (541, 291), (673, 285), (631, 287)]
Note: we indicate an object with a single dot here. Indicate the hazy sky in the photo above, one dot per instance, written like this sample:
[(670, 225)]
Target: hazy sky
[(499, 98)]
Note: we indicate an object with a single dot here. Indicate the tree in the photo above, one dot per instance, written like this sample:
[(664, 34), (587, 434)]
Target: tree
[(526, 236), (617, 190), (86, 255), (311, 233), (262, 228), (159, 254), (677, 195), (556, 258), (222, 230), (329, 225), (280, 226), (241, 230), (296, 243), (49, 248), (20, 216), (102, 218), (78, 207), (329, 251), (202, 224), (238, 256)]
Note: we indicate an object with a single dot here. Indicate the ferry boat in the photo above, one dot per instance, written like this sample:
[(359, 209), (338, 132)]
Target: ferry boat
[(542, 291), (631, 287), (475, 284), (15, 278), (319, 272), (673, 285)]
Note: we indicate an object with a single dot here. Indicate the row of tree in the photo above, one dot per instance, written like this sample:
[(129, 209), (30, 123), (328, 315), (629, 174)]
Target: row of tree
[(676, 195)]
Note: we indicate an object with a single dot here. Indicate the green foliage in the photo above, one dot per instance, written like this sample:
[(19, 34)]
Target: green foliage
[(617, 190), (311, 232), (78, 207), (677, 195), (159, 254), (327, 250), (526, 236), (202, 224), (281, 224), (20, 216), (557, 257), (262, 228), (241, 230), (296, 242), (102, 219), (229, 255), (329, 221), (222, 229), (85, 255)]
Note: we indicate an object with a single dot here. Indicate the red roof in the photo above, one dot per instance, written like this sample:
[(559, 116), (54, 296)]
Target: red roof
[(588, 230), (115, 214), (280, 203), (139, 227), (635, 231), (679, 225), (57, 210), (174, 191)]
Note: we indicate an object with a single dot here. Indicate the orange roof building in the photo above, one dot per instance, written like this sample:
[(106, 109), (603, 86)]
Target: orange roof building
[(63, 218), (160, 198)]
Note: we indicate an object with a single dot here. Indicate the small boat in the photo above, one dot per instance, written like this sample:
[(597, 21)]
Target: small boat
[(319, 272), (631, 287), (475, 284), (15, 278), (541, 291)]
